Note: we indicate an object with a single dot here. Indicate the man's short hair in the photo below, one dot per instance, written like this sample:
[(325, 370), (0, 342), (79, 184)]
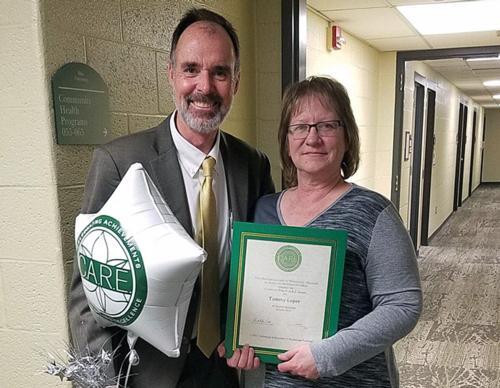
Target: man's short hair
[(204, 15)]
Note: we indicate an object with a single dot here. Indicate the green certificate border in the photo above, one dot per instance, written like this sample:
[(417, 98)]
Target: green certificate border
[(245, 231)]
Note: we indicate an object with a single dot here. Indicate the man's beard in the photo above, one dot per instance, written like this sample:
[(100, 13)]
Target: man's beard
[(203, 124)]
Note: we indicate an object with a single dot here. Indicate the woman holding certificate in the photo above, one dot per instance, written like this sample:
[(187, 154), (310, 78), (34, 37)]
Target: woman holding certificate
[(381, 296)]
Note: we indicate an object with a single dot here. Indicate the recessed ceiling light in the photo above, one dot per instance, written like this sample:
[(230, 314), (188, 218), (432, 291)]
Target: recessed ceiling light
[(496, 96), (496, 58), (450, 18), (493, 82)]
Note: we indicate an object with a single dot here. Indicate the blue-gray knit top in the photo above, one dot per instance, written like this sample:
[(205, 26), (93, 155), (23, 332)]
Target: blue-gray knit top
[(381, 295)]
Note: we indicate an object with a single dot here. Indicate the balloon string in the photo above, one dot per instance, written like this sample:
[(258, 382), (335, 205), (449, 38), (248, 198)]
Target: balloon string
[(128, 369), (133, 360), (118, 378)]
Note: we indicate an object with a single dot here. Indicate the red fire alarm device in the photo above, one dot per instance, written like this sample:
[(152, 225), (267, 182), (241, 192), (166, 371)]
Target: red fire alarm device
[(335, 39)]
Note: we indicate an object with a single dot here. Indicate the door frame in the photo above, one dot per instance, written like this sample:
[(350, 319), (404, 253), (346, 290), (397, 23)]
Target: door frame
[(293, 45), (472, 149), (416, 160), (293, 41), (460, 155), (419, 55), (428, 162), (482, 147)]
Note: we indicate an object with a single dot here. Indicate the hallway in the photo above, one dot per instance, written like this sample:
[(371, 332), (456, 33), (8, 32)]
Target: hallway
[(456, 343)]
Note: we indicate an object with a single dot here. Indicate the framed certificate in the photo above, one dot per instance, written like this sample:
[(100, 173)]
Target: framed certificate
[(284, 287)]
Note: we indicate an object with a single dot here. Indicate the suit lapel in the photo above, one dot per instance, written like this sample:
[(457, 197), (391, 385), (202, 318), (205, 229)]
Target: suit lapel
[(236, 168), (166, 172)]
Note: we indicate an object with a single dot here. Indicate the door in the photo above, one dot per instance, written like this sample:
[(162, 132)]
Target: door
[(472, 148), (416, 162), (459, 161), (482, 149), (428, 159)]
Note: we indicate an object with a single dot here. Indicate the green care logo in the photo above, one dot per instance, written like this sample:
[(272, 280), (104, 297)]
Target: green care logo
[(112, 271), (288, 258)]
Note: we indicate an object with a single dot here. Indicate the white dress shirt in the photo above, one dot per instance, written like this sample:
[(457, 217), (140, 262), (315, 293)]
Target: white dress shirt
[(190, 159)]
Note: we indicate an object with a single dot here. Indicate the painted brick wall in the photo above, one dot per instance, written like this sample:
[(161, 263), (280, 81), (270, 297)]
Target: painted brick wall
[(41, 185), (368, 77), (32, 297), (268, 81), (127, 42)]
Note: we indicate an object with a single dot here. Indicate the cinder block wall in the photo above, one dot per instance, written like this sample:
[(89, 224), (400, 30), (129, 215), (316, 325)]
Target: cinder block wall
[(32, 297), (127, 43), (268, 81), (369, 78)]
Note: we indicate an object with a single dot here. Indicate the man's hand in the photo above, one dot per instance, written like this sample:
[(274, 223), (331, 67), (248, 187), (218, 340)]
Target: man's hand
[(243, 358), (299, 361)]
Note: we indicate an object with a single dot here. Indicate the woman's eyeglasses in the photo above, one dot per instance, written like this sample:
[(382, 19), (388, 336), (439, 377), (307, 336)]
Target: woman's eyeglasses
[(324, 129)]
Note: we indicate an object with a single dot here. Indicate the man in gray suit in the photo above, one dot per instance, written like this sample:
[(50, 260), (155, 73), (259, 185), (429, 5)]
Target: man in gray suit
[(204, 75)]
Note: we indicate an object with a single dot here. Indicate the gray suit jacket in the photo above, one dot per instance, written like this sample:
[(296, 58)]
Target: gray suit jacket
[(248, 178)]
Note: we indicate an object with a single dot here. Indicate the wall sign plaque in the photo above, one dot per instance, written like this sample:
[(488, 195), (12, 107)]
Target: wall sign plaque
[(81, 105)]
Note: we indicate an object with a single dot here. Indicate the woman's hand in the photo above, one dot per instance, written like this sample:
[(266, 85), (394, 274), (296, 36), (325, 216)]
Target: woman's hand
[(243, 358), (299, 361)]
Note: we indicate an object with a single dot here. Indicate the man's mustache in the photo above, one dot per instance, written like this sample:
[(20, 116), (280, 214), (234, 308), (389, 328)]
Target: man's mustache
[(211, 98)]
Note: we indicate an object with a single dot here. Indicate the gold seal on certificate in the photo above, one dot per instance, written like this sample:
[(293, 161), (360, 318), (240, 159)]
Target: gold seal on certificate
[(284, 287)]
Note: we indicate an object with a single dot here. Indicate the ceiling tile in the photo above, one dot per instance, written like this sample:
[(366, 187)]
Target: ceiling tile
[(395, 44), (413, 2), (374, 23), (480, 98), (379, 24), (472, 91), (470, 83), (478, 65), (450, 63), (325, 5), (461, 75), (466, 39), (487, 73)]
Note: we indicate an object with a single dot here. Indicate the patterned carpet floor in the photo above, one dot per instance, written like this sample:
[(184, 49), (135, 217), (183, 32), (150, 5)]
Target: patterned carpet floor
[(456, 343)]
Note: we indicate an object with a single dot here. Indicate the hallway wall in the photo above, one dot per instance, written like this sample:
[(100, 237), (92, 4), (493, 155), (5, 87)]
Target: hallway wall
[(448, 98), (369, 77), (491, 163)]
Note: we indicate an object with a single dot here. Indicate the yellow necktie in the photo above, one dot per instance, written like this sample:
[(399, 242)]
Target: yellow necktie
[(208, 336)]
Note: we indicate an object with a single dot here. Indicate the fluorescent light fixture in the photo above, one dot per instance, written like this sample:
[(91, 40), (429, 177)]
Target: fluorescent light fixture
[(493, 82), (451, 18), (497, 58), (496, 96)]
